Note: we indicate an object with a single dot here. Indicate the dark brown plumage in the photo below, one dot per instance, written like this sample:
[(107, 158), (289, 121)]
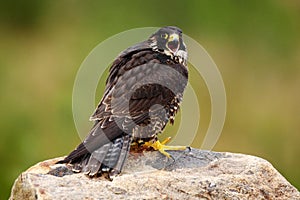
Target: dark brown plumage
[(143, 92)]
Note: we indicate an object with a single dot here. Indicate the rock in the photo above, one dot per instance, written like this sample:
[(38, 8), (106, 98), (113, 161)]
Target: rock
[(194, 175)]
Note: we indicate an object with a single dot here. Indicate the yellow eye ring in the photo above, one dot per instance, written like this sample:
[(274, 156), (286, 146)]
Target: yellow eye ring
[(164, 35)]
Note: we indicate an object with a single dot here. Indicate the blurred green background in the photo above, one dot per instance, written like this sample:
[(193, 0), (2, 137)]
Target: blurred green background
[(255, 44)]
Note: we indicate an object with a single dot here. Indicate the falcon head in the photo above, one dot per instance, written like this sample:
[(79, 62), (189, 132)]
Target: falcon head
[(168, 40)]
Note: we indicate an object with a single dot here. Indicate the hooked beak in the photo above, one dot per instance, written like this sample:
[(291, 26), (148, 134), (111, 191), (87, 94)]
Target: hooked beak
[(173, 43)]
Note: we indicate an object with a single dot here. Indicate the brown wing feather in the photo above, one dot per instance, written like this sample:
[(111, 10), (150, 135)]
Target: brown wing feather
[(136, 85)]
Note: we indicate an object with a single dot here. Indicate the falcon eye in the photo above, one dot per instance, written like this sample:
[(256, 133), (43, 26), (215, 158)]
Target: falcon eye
[(164, 35)]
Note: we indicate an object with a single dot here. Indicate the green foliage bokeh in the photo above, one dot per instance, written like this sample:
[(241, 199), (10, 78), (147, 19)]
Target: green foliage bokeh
[(255, 44)]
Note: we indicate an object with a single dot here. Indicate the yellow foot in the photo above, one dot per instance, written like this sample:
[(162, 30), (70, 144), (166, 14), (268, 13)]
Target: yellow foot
[(161, 147)]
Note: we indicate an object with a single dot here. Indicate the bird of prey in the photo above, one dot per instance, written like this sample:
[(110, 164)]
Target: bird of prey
[(143, 92)]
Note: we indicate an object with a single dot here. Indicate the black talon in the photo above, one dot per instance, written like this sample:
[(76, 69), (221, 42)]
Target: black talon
[(172, 158), (189, 148)]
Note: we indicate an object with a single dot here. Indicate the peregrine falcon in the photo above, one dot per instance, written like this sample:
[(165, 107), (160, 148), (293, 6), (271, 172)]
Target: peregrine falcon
[(143, 93)]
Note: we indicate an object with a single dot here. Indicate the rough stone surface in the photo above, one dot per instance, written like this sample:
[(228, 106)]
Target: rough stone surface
[(194, 175)]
